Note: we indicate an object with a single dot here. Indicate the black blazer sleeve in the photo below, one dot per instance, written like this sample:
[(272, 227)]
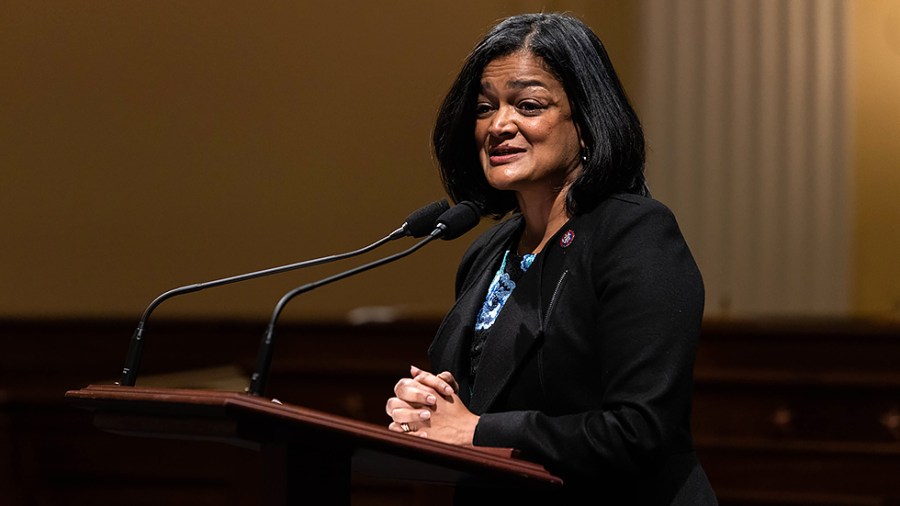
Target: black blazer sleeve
[(634, 303)]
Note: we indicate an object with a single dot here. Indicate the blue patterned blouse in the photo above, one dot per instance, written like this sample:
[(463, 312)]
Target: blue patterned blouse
[(510, 271)]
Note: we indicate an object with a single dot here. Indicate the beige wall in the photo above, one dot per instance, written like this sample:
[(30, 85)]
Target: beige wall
[(147, 145), (876, 82)]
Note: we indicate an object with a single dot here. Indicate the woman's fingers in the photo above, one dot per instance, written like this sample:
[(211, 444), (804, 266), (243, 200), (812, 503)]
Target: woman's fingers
[(411, 408), (448, 377), (394, 404), (411, 429), (443, 383), (414, 392), (401, 411), (407, 419)]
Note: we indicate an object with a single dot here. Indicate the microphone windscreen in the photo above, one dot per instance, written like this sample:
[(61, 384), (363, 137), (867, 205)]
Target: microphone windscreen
[(459, 219), (422, 221)]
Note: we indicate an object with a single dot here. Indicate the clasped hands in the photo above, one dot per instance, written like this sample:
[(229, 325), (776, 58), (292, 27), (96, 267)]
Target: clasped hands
[(428, 406)]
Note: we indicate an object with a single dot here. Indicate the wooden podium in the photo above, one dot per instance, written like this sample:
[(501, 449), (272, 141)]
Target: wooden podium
[(308, 453)]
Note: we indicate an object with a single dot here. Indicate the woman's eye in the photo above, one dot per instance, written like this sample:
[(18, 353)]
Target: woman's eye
[(483, 108), (530, 107)]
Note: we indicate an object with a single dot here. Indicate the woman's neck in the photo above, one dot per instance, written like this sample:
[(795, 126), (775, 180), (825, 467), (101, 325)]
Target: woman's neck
[(543, 218)]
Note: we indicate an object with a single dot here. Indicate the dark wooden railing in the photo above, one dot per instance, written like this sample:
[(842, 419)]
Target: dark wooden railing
[(799, 412)]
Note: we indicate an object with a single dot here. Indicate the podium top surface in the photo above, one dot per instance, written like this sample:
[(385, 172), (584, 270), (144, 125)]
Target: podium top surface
[(247, 420)]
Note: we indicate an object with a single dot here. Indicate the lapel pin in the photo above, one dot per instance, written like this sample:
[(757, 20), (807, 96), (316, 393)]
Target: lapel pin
[(567, 238)]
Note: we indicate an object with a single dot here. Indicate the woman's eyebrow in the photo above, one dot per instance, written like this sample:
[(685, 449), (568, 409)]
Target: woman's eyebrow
[(525, 83), (517, 84)]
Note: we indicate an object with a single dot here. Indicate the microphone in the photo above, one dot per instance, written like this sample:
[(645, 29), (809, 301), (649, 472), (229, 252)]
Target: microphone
[(417, 224), (421, 221), (457, 220), (453, 223)]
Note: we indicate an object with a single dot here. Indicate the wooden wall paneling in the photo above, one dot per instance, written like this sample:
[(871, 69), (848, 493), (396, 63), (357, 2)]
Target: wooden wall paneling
[(797, 412)]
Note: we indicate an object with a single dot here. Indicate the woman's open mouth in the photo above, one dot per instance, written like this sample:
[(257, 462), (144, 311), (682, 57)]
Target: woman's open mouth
[(504, 154)]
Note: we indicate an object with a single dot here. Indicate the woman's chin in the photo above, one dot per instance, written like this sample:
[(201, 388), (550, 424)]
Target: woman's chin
[(504, 178), (503, 185)]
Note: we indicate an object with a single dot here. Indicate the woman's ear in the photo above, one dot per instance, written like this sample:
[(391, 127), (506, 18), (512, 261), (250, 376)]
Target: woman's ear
[(584, 150), (580, 138)]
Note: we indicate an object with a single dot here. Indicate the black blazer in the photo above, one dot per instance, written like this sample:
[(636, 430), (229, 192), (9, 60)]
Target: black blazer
[(588, 368)]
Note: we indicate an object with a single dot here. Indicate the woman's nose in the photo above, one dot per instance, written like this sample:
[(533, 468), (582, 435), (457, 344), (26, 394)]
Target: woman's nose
[(502, 123)]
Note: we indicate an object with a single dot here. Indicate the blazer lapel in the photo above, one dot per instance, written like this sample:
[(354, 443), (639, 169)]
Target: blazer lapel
[(511, 337), (449, 351), (520, 323), (513, 334)]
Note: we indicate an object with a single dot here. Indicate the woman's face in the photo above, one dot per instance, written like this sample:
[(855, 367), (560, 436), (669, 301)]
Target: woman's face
[(527, 141)]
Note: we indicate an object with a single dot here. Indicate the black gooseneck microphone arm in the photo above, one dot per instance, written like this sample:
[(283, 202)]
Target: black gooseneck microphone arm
[(132, 361), (413, 226), (461, 218), (264, 358)]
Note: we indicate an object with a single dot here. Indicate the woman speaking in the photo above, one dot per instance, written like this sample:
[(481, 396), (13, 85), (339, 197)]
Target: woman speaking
[(576, 320)]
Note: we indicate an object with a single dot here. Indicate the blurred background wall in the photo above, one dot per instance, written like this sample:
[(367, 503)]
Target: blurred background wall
[(148, 145)]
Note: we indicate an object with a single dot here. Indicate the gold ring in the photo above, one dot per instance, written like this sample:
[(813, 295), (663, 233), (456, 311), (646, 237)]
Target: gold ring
[(405, 427)]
